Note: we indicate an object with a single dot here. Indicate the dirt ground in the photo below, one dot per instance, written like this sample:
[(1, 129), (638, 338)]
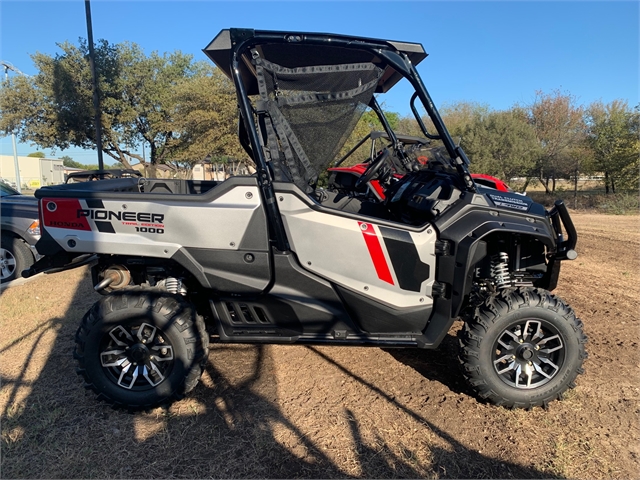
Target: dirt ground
[(329, 412)]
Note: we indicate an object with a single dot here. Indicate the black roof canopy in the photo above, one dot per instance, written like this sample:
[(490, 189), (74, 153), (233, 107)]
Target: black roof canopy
[(291, 50)]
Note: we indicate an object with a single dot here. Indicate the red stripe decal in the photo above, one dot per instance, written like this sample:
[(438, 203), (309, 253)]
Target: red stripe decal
[(375, 250), (64, 213)]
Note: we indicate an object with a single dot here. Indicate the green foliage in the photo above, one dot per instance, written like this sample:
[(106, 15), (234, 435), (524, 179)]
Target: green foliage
[(36, 155), (367, 123), (559, 128), (502, 144), (627, 203), (458, 117), (620, 204), (407, 125), (67, 161), (184, 111), (614, 140), (140, 99), (207, 115)]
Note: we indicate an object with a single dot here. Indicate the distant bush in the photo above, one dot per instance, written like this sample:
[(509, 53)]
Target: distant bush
[(627, 203)]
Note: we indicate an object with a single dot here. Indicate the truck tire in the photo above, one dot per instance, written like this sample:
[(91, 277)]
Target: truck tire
[(523, 348), (141, 349), (15, 257)]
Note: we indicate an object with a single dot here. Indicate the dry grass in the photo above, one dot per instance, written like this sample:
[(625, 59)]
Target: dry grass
[(329, 412)]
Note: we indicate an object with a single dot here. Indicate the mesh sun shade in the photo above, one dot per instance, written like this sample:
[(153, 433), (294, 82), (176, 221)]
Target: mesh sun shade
[(309, 112)]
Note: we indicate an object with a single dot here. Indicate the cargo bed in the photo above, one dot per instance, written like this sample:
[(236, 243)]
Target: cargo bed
[(128, 185)]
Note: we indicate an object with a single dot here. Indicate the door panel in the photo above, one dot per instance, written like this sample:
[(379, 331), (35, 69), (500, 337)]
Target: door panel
[(392, 265)]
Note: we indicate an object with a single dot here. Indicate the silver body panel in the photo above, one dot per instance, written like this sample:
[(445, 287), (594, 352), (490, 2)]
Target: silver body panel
[(352, 252), (219, 224), (333, 247)]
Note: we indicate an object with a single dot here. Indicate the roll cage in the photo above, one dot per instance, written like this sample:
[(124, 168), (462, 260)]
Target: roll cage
[(244, 55)]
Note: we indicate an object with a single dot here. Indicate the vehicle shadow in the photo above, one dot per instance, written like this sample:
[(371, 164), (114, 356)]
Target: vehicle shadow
[(233, 425), (458, 461), (18, 282), (439, 365), (230, 426)]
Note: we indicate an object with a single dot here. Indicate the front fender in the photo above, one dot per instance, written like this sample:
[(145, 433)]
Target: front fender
[(462, 229)]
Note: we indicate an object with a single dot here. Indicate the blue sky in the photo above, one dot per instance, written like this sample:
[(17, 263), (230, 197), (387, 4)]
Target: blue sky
[(497, 53)]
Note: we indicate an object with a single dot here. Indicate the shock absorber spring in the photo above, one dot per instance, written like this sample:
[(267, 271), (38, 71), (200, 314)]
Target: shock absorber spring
[(500, 270), (174, 285)]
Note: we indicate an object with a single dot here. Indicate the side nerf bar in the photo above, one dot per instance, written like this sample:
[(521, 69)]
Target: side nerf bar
[(560, 218)]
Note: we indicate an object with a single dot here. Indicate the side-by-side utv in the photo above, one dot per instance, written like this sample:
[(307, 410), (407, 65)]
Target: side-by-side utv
[(274, 258)]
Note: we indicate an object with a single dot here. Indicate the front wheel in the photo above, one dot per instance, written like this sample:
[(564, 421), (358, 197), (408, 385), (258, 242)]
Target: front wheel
[(139, 349), (522, 348), (15, 257)]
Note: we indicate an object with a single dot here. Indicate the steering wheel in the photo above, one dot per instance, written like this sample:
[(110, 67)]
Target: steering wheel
[(372, 168)]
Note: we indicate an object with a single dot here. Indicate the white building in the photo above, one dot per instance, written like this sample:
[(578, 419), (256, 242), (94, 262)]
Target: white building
[(34, 172)]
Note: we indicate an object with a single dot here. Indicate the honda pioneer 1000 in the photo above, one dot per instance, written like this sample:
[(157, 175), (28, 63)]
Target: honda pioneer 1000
[(273, 258)]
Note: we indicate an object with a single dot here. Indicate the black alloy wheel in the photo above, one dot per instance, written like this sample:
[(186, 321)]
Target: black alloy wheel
[(522, 348), (140, 349), (136, 357), (528, 353)]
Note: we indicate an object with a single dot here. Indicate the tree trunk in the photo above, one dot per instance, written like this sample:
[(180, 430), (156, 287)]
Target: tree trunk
[(125, 163), (526, 184), (613, 186), (542, 181), (606, 182), (575, 189), (553, 182), (152, 171)]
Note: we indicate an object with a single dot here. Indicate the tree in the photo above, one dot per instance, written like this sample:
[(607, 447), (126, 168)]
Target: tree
[(207, 115), (36, 155), (559, 127), (367, 123), (458, 117), (580, 159), (67, 161), (613, 136), (500, 143), (408, 125), (139, 98)]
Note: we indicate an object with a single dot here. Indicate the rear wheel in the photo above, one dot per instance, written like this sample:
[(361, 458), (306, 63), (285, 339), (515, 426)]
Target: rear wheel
[(138, 350), (523, 348)]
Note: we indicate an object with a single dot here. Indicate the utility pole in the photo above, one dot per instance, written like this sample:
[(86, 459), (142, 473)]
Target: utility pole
[(96, 98), (16, 165)]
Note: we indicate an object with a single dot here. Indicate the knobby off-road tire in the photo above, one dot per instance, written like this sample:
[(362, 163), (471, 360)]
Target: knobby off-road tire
[(15, 257), (140, 349), (523, 348)]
